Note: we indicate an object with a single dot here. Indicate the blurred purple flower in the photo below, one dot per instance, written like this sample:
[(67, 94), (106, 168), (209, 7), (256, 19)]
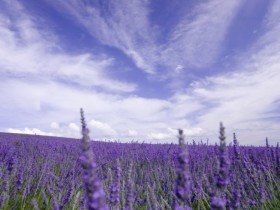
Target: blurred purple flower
[(11, 163), (218, 201), (115, 188), (19, 180), (129, 189), (67, 196), (235, 147), (95, 195), (183, 181)]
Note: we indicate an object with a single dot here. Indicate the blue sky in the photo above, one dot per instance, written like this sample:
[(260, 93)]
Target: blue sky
[(141, 69)]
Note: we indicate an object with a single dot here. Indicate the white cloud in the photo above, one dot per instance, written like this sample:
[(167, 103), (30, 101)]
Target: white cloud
[(114, 27), (160, 136), (132, 133), (198, 39), (245, 97), (31, 131), (171, 134), (188, 132), (55, 125), (74, 127), (101, 129), (179, 69), (237, 105), (28, 51)]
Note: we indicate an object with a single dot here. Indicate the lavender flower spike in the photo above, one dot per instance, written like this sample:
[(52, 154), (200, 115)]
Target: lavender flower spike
[(116, 185), (183, 181), (129, 186), (235, 146), (219, 201), (224, 161), (94, 193)]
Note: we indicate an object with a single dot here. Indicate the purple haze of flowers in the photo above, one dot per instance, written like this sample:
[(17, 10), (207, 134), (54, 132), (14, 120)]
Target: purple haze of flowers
[(95, 195), (183, 181), (219, 201)]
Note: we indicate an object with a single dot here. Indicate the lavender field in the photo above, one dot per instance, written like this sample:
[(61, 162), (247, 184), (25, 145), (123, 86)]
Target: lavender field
[(40, 172), (182, 105)]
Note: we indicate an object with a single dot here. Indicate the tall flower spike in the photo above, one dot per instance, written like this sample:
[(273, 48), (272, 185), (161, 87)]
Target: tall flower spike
[(115, 188), (95, 196), (278, 160), (224, 161), (129, 187), (183, 181), (266, 142), (235, 147), (219, 201)]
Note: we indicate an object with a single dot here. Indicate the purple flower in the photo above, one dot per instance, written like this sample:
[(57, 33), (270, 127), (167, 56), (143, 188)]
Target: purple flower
[(266, 142), (11, 163), (6, 180), (183, 181), (129, 188), (67, 197), (219, 201), (278, 160), (236, 196), (19, 180), (115, 188), (54, 198), (1, 170), (95, 195), (224, 161), (235, 147)]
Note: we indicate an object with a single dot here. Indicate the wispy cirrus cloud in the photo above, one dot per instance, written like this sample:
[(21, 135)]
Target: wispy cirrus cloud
[(198, 39), (195, 42), (28, 51), (119, 24)]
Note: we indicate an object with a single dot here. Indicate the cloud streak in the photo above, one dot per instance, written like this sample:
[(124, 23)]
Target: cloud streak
[(195, 42), (198, 39), (112, 25), (27, 51)]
